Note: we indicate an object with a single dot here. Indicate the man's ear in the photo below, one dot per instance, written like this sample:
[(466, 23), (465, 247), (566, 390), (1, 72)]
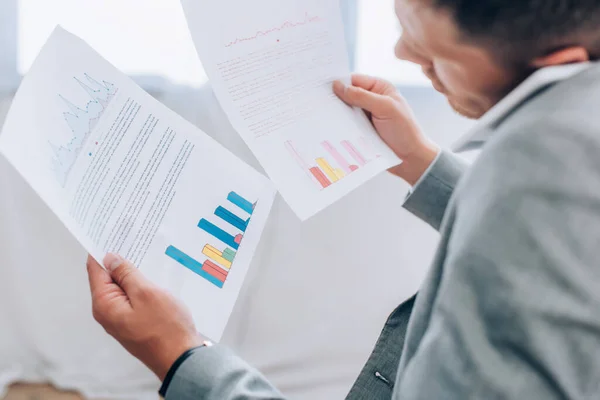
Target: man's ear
[(569, 55)]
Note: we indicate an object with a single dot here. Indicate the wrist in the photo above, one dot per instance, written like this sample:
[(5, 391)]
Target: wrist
[(171, 351), (415, 164)]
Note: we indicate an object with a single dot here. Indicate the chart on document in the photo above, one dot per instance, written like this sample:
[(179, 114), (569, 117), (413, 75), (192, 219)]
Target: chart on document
[(225, 230), (335, 161), (81, 121), (126, 175), (272, 64)]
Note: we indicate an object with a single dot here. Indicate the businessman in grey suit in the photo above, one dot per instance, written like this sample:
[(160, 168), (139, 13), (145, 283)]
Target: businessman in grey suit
[(511, 306)]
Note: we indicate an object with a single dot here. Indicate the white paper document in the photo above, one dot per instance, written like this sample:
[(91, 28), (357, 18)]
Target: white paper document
[(126, 175), (272, 64)]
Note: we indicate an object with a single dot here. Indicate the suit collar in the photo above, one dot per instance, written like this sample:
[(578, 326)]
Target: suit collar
[(539, 80)]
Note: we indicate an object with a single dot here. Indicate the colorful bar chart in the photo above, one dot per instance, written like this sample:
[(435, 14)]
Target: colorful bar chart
[(218, 263), (207, 272), (314, 173), (215, 271), (320, 176), (229, 254), (238, 239), (329, 171), (218, 233), (345, 165), (216, 255)]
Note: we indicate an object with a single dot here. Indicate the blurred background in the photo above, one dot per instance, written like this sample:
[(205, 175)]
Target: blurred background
[(310, 337), (150, 40)]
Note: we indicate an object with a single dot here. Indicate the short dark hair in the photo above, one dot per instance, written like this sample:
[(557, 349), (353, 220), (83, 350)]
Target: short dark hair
[(529, 28)]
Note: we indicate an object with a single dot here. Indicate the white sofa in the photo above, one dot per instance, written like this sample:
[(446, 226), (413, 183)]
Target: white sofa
[(313, 305)]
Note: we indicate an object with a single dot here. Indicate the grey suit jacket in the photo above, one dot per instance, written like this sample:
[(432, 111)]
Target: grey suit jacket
[(511, 306)]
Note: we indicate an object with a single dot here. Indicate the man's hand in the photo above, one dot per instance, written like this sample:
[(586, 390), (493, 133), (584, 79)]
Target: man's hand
[(151, 324), (394, 121)]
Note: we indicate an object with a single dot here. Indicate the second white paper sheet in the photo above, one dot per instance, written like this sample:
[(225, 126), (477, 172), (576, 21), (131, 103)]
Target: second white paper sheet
[(127, 175), (271, 64)]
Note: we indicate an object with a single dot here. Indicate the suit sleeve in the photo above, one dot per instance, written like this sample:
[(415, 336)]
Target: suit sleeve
[(431, 195), (215, 373)]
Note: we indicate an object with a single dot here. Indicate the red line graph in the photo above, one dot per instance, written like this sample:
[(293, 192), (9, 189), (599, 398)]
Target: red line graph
[(286, 25)]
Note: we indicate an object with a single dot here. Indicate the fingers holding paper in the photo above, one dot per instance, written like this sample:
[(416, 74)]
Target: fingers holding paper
[(390, 114), (373, 101), (108, 298), (147, 321), (394, 121)]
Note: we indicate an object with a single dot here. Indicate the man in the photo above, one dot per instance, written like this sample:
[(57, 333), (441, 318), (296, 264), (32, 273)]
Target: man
[(511, 307)]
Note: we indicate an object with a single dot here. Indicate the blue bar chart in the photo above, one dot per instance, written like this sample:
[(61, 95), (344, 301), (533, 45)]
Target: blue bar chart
[(218, 233), (241, 202), (220, 254), (232, 219)]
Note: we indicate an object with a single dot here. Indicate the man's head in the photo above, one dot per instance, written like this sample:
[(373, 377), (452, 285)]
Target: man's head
[(476, 51)]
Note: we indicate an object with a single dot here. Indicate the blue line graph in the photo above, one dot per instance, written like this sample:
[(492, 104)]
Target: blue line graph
[(82, 123)]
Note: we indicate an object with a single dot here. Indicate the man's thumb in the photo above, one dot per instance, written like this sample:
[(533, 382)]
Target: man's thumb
[(124, 273), (374, 103)]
